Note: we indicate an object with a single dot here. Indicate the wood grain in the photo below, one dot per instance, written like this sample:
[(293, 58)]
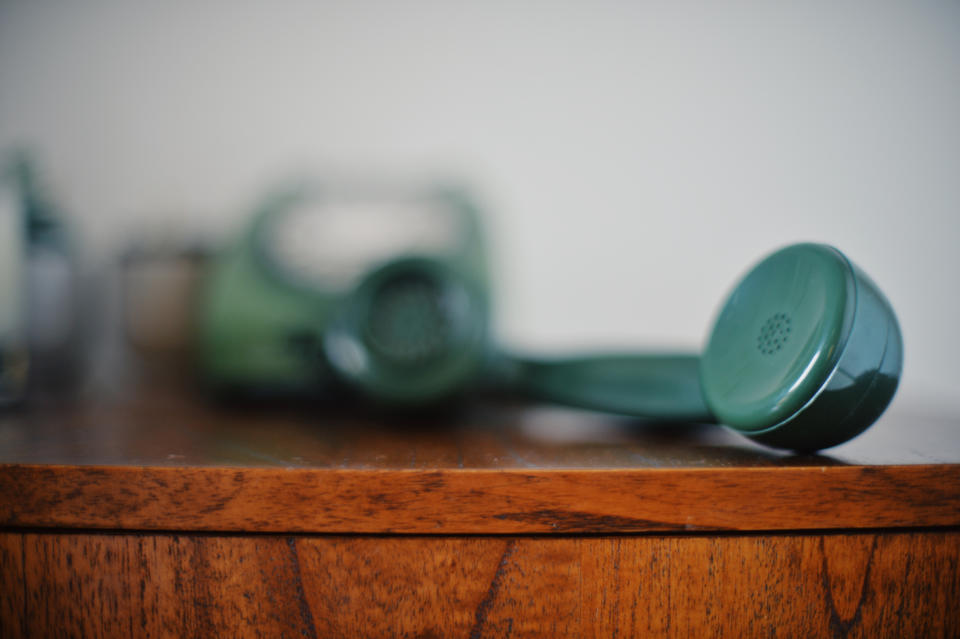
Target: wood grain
[(122, 585), (159, 459), (478, 502), (13, 602)]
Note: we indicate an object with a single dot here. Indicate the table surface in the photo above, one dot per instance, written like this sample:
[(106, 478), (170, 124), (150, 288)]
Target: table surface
[(502, 520), (169, 460)]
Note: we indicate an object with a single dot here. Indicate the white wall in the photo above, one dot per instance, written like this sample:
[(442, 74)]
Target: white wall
[(636, 158)]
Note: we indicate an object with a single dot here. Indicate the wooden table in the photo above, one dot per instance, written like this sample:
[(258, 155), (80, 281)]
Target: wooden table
[(160, 515)]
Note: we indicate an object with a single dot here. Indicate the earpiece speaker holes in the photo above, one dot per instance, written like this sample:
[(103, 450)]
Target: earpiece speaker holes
[(774, 334)]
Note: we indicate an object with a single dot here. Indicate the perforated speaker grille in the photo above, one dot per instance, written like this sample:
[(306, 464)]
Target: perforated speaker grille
[(774, 333)]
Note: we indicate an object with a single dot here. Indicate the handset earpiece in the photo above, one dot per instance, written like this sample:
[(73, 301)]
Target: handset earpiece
[(805, 354)]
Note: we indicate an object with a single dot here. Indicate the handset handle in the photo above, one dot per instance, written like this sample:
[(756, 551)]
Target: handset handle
[(652, 386)]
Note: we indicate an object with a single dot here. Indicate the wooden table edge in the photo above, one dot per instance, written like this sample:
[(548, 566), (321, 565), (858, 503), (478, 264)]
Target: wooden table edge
[(477, 501)]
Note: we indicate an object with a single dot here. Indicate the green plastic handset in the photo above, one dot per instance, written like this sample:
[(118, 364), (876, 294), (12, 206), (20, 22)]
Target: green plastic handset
[(805, 354), (382, 288), (661, 387)]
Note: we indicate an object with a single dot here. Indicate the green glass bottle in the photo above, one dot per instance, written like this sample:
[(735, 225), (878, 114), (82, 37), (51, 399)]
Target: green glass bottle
[(52, 284), (14, 355)]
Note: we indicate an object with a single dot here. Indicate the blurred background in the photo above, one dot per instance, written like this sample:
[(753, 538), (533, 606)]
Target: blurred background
[(633, 158)]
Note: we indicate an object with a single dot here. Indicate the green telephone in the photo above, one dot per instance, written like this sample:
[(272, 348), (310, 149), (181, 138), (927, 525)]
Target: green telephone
[(387, 292), (382, 288)]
